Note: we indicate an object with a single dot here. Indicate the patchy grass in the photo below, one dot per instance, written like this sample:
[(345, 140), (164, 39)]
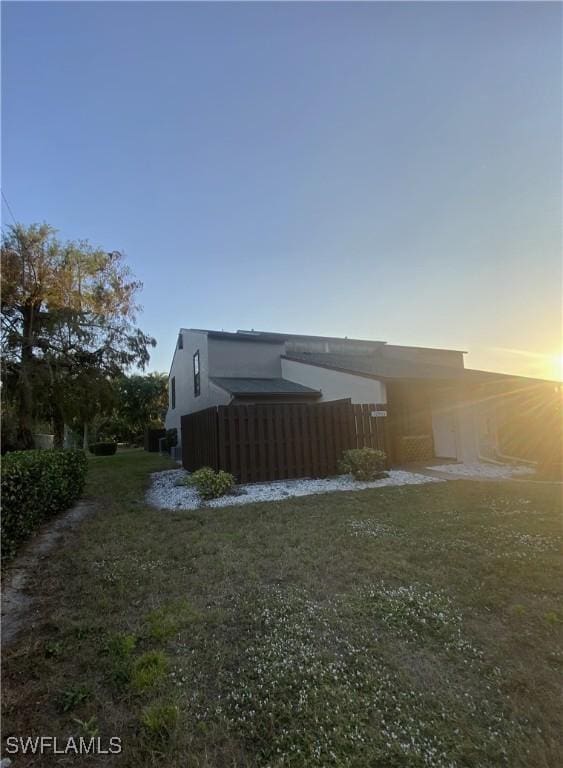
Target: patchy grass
[(395, 628), (149, 669)]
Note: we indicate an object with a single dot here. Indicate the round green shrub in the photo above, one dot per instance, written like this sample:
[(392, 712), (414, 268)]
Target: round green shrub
[(363, 463), (211, 484)]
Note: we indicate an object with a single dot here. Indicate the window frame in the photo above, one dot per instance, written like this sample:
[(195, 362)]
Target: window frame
[(173, 393), (197, 374)]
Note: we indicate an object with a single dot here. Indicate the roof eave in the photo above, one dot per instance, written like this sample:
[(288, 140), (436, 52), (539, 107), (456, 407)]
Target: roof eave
[(335, 368), (310, 395)]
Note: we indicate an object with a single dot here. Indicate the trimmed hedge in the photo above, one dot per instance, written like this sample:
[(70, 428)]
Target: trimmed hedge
[(107, 448), (36, 485)]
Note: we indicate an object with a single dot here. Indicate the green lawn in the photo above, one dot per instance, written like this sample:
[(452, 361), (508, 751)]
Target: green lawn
[(413, 626)]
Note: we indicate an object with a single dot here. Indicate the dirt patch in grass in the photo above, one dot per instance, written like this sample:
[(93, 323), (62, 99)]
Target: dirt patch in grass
[(21, 582), (391, 628)]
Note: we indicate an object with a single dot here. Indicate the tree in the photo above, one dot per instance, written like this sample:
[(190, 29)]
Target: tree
[(139, 401), (68, 314)]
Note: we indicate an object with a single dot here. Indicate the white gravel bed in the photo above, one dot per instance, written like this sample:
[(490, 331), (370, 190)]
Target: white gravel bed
[(164, 492), (482, 470)]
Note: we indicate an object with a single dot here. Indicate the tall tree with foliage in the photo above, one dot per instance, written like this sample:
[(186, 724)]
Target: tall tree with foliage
[(68, 316)]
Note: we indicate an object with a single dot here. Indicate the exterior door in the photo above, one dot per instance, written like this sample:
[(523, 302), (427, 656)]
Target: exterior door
[(445, 433)]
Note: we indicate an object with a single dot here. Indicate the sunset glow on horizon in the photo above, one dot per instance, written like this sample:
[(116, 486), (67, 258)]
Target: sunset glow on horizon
[(518, 362)]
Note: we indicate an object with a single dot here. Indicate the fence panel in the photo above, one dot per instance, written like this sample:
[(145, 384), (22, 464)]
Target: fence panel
[(200, 448), (274, 442)]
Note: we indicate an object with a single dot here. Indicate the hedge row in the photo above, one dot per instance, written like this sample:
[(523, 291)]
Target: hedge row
[(107, 448), (35, 486)]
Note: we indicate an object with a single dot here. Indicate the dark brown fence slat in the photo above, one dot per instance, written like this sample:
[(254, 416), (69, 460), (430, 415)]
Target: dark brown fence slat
[(286, 431), (321, 437), (329, 441), (367, 425), (224, 443), (280, 448), (351, 427), (305, 435), (251, 432), (233, 443), (243, 443), (262, 448), (271, 443), (297, 429)]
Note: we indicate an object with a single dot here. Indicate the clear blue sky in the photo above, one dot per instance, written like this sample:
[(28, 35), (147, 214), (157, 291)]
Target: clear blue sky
[(389, 171)]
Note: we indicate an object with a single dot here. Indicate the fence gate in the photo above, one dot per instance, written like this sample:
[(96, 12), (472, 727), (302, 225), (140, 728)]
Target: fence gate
[(275, 442)]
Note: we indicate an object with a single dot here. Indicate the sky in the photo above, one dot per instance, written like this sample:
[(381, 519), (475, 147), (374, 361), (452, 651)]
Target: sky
[(373, 170)]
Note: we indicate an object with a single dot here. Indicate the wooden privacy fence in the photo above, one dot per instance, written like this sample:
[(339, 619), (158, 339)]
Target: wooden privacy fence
[(151, 439), (274, 442)]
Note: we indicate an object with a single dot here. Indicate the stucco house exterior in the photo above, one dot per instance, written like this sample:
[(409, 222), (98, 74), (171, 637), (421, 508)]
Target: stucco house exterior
[(428, 394)]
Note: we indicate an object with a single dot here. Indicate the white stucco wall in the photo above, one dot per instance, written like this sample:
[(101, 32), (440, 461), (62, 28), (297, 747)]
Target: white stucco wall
[(182, 370), (256, 359), (334, 385)]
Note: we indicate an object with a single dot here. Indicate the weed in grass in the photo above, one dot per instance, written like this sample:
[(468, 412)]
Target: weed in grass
[(88, 728), (149, 669), (169, 619), (159, 721), (551, 617), (121, 646), (73, 697), (119, 649), (119, 675), (82, 631), (53, 648)]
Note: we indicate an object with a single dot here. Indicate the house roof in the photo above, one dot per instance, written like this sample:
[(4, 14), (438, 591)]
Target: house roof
[(274, 337), (246, 387), (488, 376), (271, 338), (377, 366)]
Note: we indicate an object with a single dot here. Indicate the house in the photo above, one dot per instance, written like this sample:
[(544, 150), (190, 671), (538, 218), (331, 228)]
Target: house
[(435, 406)]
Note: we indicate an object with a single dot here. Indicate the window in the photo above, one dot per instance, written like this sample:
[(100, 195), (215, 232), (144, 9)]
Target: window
[(173, 392), (180, 341), (196, 374)]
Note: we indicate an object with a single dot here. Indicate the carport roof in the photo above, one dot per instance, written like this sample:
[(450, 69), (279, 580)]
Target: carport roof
[(245, 387)]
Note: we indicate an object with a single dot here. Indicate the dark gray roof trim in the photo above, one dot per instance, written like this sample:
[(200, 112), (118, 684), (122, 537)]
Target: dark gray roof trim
[(247, 387)]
